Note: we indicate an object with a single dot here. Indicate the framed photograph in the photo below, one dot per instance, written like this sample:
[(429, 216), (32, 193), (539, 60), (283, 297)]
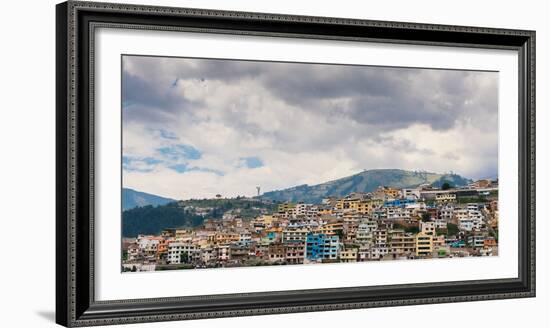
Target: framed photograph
[(214, 163)]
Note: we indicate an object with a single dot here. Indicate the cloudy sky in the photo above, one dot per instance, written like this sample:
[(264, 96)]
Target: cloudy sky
[(198, 127)]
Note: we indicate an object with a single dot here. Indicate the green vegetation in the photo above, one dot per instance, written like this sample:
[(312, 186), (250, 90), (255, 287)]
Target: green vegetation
[(431, 203), (184, 257), (446, 186), (244, 207), (153, 219), (440, 232), (407, 228), (452, 229), (471, 199), (493, 233), (426, 217)]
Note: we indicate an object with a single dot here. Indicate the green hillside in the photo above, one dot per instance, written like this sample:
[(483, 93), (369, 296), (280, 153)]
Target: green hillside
[(153, 219), (366, 181)]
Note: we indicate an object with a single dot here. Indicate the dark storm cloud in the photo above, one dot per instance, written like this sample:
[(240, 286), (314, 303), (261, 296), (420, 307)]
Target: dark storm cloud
[(378, 96), (391, 97), (146, 92), (195, 68)]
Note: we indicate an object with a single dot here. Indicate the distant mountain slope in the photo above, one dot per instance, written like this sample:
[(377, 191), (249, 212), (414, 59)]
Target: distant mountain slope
[(132, 198), (366, 181)]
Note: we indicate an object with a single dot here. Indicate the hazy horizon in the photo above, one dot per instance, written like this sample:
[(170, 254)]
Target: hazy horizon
[(293, 186)]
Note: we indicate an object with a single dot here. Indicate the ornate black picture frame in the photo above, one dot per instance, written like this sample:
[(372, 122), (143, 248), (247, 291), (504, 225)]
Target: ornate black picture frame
[(75, 301)]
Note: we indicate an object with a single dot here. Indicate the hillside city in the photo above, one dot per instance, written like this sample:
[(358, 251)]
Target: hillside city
[(387, 224)]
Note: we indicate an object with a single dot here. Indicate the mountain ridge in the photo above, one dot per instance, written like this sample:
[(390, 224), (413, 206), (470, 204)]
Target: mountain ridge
[(152, 218), (365, 181), (132, 198)]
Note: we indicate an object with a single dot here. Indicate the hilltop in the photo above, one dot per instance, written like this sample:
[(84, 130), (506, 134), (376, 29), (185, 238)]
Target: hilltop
[(366, 181), (133, 198)]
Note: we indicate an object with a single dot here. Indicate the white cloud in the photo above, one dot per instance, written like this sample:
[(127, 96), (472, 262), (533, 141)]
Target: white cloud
[(236, 112)]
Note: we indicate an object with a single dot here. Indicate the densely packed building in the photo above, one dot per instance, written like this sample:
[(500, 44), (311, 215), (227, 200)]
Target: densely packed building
[(386, 224)]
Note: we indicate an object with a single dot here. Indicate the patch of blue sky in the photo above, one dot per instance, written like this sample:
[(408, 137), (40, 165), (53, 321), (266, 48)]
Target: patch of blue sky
[(180, 168), (252, 162), (139, 164), (179, 152), (167, 134)]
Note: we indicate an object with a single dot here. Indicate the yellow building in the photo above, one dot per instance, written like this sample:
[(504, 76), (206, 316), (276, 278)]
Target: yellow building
[(402, 243), (324, 211), (183, 233), (285, 207), (267, 220), (347, 203), (349, 255), (226, 238), (387, 193), (331, 228), (424, 244), (368, 206)]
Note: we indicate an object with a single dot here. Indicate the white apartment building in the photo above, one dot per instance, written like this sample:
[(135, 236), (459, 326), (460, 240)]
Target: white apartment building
[(177, 249), (378, 252), (398, 213), (411, 193), (446, 212), (148, 244), (380, 237), (428, 228), (208, 254), (476, 240), (365, 232), (245, 237), (223, 252), (440, 223), (469, 218)]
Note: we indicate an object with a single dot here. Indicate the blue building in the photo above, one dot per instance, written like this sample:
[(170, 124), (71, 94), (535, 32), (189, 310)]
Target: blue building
[(321, 246), (331, 248), (399, 202)]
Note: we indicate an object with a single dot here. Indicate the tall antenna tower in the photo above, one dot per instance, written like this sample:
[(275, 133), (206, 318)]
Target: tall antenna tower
[(258, 190)]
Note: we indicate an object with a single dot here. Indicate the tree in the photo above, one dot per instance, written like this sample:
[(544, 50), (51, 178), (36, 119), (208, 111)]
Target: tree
[(184, 257), (412, 229), (426, 216), (452, 229), (446, 186), (440, 232)]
